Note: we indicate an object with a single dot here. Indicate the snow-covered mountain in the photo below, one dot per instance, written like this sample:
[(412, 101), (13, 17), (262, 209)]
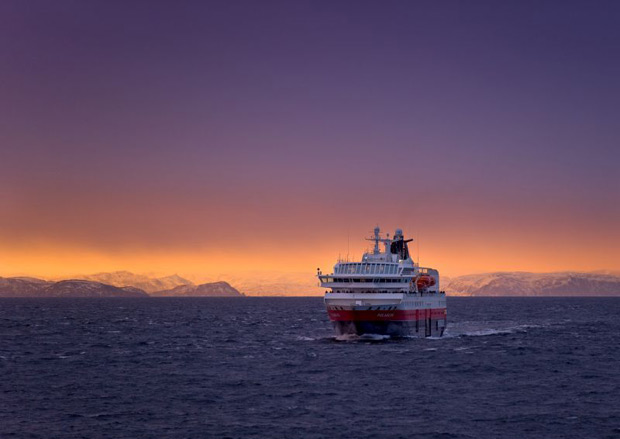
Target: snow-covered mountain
[(30, 287), (534, 284), (143, 282), (174, 285), (213, 289)]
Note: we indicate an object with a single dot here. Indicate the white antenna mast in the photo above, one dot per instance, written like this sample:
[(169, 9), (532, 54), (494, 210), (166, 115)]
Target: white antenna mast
[(418, 242), (348, 243)]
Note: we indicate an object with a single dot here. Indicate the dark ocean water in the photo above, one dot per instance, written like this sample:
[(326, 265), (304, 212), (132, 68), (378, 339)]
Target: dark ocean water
[(270, 368)]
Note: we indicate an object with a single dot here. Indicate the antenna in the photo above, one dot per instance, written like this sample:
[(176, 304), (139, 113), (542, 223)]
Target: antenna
[(418, 242), (348, 243)]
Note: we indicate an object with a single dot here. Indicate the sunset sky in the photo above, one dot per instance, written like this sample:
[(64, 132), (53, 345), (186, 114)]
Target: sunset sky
[(205, 137)]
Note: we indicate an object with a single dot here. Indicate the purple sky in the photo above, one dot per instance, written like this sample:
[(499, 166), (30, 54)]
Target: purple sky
[(173, 125)]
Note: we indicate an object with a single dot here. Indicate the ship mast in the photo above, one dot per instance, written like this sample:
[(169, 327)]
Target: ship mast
[(377, 239)]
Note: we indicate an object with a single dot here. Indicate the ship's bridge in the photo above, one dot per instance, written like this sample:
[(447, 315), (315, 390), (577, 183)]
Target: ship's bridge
[(366, 268)]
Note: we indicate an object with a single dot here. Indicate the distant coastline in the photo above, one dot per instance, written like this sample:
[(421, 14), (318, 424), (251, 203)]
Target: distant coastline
[(569, 283), (127, 284), (117, 284)]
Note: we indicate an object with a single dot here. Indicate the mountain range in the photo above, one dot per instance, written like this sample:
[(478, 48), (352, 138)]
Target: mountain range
[(116, 284), (127, 284), (534, 284), (141, 281), (31, 287)]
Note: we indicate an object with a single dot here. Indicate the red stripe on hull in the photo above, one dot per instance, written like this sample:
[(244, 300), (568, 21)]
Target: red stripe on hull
[(392, 315)]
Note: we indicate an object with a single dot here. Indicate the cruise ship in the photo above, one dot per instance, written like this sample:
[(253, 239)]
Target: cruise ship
[(386, 293)]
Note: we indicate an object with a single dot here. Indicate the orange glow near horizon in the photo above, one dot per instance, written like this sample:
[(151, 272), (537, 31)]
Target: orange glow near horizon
[(464, 234), (451, 252)]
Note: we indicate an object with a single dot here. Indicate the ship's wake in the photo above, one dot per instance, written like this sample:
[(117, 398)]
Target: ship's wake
[(362, 338), (454, 330), (481, 329)]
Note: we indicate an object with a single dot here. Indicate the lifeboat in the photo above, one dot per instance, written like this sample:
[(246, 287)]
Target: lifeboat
[(424, 281)]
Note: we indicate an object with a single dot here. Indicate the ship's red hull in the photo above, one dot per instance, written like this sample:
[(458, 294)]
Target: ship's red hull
[(396, 323)]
